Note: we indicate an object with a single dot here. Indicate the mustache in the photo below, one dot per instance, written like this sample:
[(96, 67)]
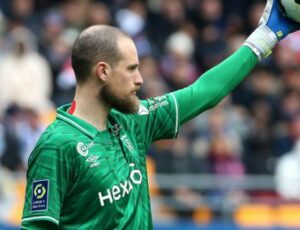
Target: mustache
[(136, 89)]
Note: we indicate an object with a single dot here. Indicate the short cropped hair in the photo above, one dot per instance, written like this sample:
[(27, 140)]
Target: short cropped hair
[(94, 44)]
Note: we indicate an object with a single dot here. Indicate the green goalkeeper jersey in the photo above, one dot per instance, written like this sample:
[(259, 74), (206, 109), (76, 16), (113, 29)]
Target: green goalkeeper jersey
[(82, 178)]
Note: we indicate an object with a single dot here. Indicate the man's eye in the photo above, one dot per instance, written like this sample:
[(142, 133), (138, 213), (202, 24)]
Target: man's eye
[(132, 68)]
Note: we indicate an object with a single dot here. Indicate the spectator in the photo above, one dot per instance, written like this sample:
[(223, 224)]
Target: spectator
[(25, 77), (28, 132), (287, 175), (11, 158), (177, 65)]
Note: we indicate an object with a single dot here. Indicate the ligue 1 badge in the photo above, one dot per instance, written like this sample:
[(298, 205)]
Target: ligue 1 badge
[(40, 191)]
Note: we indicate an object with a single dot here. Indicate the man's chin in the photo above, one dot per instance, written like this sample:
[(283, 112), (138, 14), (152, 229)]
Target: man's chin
[(135, 107), (129, 107)]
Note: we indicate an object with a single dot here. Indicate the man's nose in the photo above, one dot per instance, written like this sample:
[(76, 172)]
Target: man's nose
[(138, 79)]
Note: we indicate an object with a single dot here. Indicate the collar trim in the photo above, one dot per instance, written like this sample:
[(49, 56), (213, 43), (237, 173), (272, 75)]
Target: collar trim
[(81, 125)]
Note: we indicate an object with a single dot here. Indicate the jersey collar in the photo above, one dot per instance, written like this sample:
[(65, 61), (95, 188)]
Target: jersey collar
[(86, 128)]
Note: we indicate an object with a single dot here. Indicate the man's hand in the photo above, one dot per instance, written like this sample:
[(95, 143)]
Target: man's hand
[(273, 27), (274, 19)]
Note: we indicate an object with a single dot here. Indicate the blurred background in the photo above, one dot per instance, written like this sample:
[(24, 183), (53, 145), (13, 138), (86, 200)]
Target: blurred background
[(236, 166)]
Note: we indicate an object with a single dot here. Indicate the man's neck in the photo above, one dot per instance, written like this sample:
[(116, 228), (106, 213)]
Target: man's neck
[(90, 110)]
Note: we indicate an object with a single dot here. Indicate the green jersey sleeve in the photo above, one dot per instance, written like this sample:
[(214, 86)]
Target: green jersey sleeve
[(48, 178), (215, 84), (158, 118), (39, 225)]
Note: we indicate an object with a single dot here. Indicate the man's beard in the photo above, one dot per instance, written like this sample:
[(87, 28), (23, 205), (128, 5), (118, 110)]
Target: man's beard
[(112, 101)]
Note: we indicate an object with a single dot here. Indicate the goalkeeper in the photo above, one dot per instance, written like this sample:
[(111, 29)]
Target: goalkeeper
[(88, 169)]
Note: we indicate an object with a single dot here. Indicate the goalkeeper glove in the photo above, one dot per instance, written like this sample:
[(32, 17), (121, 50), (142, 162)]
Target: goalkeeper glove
[(273, 27)]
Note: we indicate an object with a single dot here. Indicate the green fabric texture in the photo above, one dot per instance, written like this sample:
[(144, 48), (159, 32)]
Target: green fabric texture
[(96, 179), (215, 84)]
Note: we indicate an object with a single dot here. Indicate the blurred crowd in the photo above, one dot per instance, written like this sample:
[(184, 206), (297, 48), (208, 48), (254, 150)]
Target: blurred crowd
[(249, 132)]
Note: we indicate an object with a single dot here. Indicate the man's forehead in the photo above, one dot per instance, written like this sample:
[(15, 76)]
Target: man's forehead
[(126, 43), (128, 50)]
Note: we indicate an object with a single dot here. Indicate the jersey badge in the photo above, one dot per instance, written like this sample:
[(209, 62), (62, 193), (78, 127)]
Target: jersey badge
[(143, 110), (83, 149), (127, 142), (40, 191)]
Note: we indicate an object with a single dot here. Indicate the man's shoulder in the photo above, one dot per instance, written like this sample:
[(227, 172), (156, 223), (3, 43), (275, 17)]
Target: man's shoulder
[(56, 141), (58, 134)]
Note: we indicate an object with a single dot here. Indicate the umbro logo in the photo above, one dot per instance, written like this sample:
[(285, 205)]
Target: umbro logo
[(143, 110), (93, 160)]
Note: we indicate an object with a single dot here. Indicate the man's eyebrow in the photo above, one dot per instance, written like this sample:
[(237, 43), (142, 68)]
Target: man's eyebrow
[(133, 66)]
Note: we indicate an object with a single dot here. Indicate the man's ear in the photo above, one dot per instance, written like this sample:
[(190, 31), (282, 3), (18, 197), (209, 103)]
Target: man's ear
[(103, 70)]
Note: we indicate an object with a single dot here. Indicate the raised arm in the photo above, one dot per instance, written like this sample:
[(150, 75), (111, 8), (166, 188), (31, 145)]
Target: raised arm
[(219, 81), (215, 84)]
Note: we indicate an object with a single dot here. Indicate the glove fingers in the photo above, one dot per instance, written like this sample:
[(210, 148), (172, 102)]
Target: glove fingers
[(266, 13)]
